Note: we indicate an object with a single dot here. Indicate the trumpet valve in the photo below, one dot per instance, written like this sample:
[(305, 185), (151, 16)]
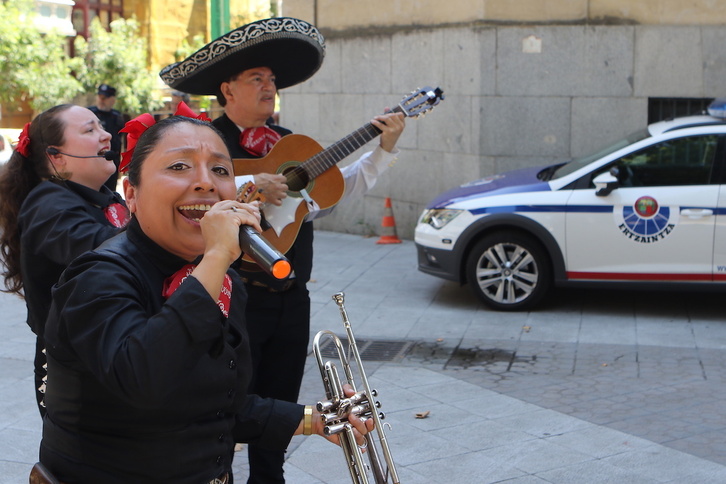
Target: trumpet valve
[(338, 427), (360, 410), (358, 398), (341, 414), (326, 406), (335, 428)]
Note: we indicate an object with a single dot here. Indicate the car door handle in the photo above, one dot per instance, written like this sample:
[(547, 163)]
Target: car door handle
[(696, 212)]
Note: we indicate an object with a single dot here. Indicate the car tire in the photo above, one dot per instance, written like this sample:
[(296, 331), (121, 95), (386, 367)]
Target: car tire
[(509, 271)]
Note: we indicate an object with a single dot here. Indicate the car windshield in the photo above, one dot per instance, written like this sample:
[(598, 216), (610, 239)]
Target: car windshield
[(578, 163)]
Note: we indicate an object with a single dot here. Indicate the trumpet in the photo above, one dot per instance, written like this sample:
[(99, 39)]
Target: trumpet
[(337, 407)]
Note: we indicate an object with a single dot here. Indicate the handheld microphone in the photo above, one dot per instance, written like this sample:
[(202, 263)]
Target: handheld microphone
[(109, 155), (263, 253)]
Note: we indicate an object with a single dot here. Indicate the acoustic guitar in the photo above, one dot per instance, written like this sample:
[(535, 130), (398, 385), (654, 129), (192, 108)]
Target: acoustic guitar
[(315, 182)]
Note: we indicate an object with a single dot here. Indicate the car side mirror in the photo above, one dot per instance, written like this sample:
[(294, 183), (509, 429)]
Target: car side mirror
[(605, 183)]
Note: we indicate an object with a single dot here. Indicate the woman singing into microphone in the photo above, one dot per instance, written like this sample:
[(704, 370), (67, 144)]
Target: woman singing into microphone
[(54, 207), (148, 353)]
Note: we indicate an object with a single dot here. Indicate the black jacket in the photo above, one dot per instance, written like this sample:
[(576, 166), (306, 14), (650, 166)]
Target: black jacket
[(145, 389), (57, 223)]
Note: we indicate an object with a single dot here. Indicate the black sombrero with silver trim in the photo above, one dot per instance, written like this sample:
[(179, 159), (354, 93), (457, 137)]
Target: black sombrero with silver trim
[(292, 48)]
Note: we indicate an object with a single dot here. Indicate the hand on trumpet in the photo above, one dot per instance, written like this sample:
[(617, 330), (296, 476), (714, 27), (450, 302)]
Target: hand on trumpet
[(360, 427)]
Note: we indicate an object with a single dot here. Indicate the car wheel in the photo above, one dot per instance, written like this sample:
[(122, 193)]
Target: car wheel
[(509, 271)]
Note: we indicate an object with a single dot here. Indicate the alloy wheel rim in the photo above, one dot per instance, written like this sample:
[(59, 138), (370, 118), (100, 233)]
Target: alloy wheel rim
[(507, 273)]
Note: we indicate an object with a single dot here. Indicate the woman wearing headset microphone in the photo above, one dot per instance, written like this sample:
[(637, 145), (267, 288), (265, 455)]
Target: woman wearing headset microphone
[(53, 207)]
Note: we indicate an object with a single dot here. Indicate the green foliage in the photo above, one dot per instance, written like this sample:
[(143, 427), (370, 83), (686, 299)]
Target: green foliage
[(118, 58), (33, 65), (187, 48)]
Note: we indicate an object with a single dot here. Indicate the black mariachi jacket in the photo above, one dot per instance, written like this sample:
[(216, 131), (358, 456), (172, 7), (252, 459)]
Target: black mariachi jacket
[(58, 221), (300, 254), (145, 389)]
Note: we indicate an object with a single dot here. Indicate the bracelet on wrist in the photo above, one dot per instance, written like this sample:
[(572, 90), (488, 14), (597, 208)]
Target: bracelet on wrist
[(308, 420)]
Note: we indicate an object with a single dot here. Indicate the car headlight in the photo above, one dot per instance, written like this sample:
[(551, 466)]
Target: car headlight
[(439, 217)]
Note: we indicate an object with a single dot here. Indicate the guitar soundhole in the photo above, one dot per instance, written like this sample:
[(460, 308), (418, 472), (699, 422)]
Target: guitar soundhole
[(297, 179)]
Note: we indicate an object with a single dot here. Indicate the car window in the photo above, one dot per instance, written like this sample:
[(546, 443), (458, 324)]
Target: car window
[(578, 163), (676, 162)]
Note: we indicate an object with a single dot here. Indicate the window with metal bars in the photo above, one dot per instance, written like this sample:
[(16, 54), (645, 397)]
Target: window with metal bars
[(662, 108), (84, 11)]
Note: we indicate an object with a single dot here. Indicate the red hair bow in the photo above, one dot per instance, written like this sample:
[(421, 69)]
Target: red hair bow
[(137, 126), (24, 141)]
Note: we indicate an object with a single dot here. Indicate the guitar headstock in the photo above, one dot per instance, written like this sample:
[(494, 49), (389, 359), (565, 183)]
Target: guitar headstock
[(421, 101)]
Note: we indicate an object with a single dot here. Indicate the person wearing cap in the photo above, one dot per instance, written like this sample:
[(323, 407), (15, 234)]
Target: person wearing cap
[(245, 68), (112, 121)]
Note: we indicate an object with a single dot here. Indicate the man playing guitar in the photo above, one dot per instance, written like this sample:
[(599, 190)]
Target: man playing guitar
[(245, 74)]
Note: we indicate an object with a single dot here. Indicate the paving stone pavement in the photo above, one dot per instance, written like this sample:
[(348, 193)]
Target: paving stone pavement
[(595, 387)]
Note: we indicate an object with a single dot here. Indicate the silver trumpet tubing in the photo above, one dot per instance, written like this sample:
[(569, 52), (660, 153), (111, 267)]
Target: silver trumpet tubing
[(335, 410)]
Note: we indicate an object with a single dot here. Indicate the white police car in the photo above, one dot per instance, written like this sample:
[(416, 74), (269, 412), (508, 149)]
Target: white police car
[(648, 210)]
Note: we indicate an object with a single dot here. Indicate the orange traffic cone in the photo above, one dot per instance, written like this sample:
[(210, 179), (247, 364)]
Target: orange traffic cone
[(389, 226)]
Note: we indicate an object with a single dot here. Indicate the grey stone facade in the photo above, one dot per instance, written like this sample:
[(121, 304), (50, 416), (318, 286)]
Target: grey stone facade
[(516, 96)]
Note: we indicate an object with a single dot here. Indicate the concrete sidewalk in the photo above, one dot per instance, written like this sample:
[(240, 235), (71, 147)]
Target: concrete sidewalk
[(476, 435), (582, 391)]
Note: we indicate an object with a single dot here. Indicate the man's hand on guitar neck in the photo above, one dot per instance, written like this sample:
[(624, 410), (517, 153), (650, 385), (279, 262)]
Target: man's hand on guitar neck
[(272, 186), (391, 126)]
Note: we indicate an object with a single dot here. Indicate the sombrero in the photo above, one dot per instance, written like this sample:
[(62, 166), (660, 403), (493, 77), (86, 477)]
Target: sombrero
[(292, 48)]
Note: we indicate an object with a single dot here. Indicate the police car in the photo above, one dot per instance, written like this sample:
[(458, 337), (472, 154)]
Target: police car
[(647, 210)]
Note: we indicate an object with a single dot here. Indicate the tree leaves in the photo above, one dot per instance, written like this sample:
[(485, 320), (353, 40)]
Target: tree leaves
[(118, 58), (35, 66)]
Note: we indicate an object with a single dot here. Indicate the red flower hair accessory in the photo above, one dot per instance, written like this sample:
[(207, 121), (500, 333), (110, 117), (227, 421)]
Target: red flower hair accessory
[(137, 126), (24, 141)]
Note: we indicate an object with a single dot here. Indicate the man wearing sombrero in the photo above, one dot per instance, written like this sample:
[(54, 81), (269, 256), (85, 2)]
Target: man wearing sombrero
[(244, 69)]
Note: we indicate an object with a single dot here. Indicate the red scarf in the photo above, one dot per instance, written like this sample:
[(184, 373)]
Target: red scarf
[(259, 141), (117, 214), (173, 282)]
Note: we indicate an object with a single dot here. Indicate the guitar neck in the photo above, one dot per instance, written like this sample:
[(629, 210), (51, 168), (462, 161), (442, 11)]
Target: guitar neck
[(331, 155)]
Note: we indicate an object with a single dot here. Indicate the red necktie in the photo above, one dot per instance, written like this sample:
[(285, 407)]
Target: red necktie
[(117, 214), (259, 141), (175, 280)]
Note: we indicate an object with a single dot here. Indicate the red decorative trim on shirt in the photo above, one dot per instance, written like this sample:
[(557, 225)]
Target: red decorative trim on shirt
[(173, 282), (259, 141), (117, 214)]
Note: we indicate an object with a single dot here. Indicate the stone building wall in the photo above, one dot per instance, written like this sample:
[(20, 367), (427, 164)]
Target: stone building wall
[(524, 87)]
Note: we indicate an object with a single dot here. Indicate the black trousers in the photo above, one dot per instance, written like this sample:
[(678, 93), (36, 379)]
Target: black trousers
[(279, 329)]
